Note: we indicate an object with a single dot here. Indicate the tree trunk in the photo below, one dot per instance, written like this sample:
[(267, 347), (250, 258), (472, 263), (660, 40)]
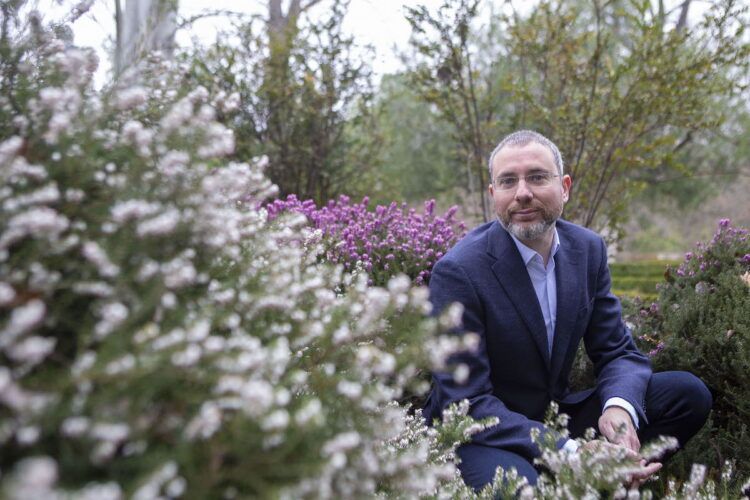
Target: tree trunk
[(682, 21), (143, 27)]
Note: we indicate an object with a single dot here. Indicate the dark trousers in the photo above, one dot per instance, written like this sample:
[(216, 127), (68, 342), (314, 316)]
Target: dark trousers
[(677, 404)]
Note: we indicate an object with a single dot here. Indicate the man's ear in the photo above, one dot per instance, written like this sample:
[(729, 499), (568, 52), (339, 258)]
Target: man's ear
[(567, 183), (491, 189)]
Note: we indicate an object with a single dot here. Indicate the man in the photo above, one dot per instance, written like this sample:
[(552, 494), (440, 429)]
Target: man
[(533, 286)]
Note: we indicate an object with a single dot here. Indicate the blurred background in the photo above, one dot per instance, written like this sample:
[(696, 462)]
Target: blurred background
[(404, 100)]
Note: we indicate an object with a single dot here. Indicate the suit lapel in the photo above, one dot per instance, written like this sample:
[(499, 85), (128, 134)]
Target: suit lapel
[(510, 271), (568, 276)]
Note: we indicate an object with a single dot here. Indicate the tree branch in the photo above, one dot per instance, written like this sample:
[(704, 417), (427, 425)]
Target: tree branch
[(682, 22)]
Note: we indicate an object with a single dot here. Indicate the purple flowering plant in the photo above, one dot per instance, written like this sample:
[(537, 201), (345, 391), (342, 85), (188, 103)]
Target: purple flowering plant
[(386, 241), (727, 252), (728, 249)]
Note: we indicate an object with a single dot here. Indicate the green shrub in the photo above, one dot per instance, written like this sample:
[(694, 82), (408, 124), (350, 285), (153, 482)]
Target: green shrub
[(703, 322)]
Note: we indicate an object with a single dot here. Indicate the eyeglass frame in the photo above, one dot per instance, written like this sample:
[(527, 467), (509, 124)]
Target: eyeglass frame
[(547, 175)]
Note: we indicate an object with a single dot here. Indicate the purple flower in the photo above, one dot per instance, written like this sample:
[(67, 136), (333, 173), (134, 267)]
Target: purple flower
[(390, 239), (656, 350)]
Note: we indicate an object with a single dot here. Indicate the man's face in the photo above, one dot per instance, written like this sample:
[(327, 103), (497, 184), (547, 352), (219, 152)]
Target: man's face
[(528, 212)]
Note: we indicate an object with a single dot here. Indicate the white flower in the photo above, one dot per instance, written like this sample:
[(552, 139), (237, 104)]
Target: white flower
[(341, 443), (276, 421), (120, 365), (32, 350), (399, 284), (187, 357), (22, 320), (20, 168), (136, 134), (176, 487), (110, 432), (179, 273), (75, 426), (98, 491), (461, 374), (28, 435), (112, 315), (150, 489), (35, 477), (131, 97), (9, 148), (199, 331), (173, 163), (180, 113), (310, 411), (7, 294), (206, 423), (257, 397), (219, 141), (95, 288), (159, 225), (36, 222), (97, 256), (45, 195), (351, 390), (133, 210)]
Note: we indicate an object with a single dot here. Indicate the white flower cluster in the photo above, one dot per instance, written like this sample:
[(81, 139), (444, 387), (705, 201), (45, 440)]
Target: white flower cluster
[(158, 331), (597, 472)]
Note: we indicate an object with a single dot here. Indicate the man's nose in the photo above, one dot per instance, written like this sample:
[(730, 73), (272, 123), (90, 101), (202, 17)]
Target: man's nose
[(522, 190)]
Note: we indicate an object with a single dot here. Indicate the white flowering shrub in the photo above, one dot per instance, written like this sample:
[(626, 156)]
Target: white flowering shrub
[(603, 472), (159, 338)]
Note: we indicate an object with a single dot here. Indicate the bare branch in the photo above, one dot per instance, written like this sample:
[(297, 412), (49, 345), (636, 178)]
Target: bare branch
[(309, 4), (118, 36), (682, 22)]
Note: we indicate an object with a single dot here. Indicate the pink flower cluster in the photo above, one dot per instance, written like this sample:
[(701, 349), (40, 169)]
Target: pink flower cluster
[(386, 241), (729, 247)]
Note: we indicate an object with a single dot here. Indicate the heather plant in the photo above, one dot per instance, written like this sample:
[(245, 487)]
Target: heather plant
[(386, 241), (702, 324), (159, 337)]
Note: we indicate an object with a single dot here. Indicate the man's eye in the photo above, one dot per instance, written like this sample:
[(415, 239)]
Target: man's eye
[(507, 181), (536, 178)]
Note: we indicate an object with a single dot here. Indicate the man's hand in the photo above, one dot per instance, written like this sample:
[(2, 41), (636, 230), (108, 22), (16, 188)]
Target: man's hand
[(639, 476), (617, 427)]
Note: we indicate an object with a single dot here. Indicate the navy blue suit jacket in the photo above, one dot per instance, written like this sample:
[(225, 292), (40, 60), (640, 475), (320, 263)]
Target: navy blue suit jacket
[(512, 375)]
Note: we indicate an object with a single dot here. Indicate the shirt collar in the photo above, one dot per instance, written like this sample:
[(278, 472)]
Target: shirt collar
[(527, 253)]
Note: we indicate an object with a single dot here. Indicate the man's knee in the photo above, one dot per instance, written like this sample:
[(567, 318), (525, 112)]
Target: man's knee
[(694, 394), (678, 404), (479, 463)]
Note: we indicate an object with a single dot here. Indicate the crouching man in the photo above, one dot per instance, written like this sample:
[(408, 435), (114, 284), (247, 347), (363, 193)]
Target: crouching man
[(534, 286)]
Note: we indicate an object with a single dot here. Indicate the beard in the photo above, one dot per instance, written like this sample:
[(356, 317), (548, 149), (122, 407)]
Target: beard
[(535, 230)]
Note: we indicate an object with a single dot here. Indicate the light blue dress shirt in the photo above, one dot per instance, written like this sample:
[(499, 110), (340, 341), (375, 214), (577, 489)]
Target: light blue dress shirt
[(545, 286), (544, 281)]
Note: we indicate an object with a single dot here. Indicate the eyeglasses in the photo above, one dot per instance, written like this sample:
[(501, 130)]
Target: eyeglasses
[(538, 180)]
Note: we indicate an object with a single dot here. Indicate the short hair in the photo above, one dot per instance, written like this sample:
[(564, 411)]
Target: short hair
[(521, 138)]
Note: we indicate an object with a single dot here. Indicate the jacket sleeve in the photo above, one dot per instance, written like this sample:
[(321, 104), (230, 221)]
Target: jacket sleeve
[(621, 369), (450, 283)]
